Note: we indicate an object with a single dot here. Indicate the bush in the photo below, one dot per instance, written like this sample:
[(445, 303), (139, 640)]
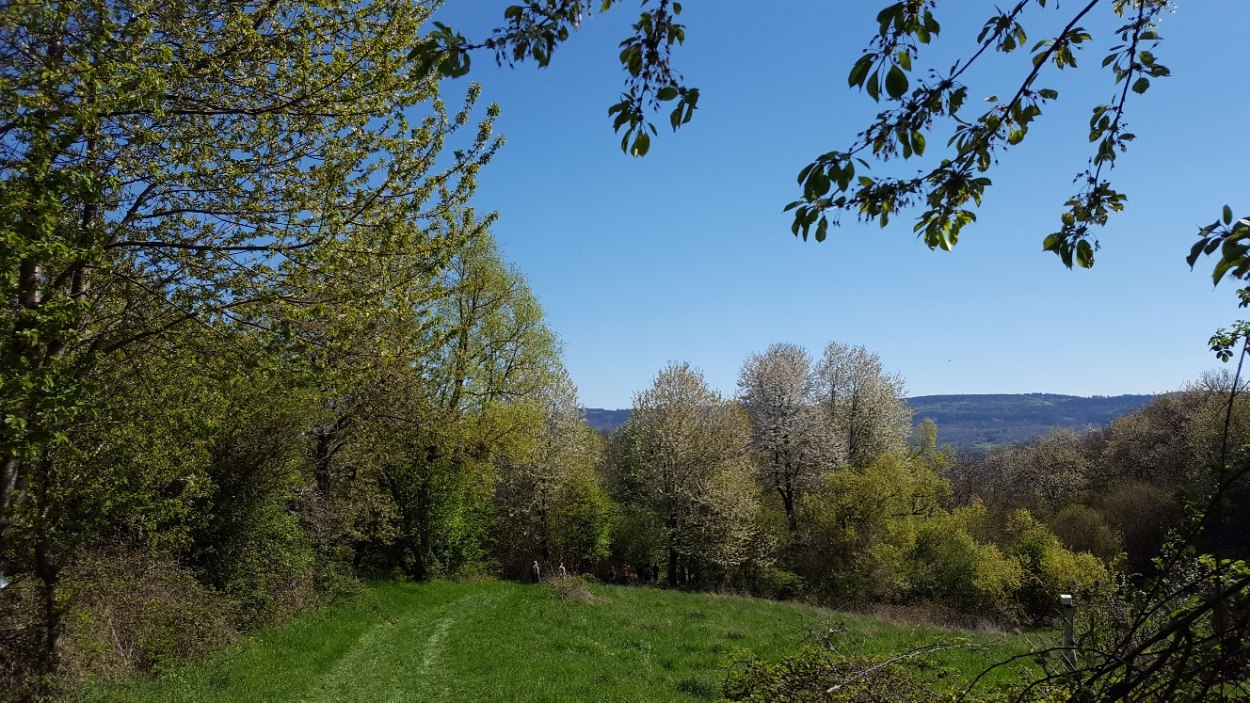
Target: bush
[(134, 612), (1083, 529), (571, 588), (949, 566), (776, 583), (1049, 568)]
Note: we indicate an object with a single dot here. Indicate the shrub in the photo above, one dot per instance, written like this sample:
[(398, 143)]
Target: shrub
[(1083, 529), (1049, 568), (779, 583), (571, 588), (134, 612), (949, 566)]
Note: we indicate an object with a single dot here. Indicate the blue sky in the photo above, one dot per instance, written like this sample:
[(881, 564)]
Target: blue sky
[(686, 255)]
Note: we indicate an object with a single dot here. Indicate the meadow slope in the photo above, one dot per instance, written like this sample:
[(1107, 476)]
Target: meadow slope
[(499, 641)]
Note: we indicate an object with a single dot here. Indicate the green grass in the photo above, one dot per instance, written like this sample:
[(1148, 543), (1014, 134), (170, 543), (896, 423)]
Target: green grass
[(496, 641)]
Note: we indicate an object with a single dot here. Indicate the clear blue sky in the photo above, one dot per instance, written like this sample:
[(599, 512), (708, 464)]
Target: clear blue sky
[(686, 255)]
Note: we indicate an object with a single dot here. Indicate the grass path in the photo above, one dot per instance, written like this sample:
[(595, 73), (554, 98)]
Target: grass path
[(497, 641), (396, 660), (383, 646)]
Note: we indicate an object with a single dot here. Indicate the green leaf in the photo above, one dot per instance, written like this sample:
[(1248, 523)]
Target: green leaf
[(1228, 215), (642, 143), (807, 170), (817, 185), (1084, 254), (860, 71), (896, 83), (668, 92), (1141, 85)]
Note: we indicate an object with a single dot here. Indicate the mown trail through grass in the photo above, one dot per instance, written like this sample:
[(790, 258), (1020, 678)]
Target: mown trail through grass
[(496, 641)]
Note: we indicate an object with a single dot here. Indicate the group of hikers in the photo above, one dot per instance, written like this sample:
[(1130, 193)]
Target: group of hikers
[(647, 573), (536, 571), (624, 575)]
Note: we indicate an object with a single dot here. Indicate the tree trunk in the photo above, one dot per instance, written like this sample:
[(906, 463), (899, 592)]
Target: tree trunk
[(672, 550), (424, 538), (544, 536), (787, 501), (49, 577), (46, 567), (322, 454), (9, 470), (20, 357)]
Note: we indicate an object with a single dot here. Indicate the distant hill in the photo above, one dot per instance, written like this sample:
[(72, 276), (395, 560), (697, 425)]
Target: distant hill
[(606, 420), (983, 420), (967, 421)]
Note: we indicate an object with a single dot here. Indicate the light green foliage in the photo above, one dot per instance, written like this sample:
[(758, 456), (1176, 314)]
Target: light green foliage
[(1049, 568), (429, 436), (551, 506), (863, 522), (171, 181), (158, 191), (947, 565)]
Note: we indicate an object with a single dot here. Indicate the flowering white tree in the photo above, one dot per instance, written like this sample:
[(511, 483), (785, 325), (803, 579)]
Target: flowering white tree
[(688, 463), (793, 443), (864, 403)]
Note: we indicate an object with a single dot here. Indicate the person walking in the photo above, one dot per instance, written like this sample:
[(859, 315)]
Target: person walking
[(536, 571)]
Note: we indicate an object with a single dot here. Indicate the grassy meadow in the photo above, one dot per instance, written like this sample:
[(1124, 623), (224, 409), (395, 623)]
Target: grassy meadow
[(497, 641)]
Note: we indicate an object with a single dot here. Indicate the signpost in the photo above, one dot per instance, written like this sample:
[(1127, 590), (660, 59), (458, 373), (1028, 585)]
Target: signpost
[(1068, 610)]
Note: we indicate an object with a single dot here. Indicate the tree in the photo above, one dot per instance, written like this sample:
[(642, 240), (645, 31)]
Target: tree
[(550, 501), (860, 520), (863, 403), (687, 462), (445, 414), (793, 442), (151, 178)]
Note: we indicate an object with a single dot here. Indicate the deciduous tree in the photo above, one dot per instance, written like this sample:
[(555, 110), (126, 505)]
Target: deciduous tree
[(793, 442), (171, 164), (551, 503), (918, 109), (863, 402), (687, 462)]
